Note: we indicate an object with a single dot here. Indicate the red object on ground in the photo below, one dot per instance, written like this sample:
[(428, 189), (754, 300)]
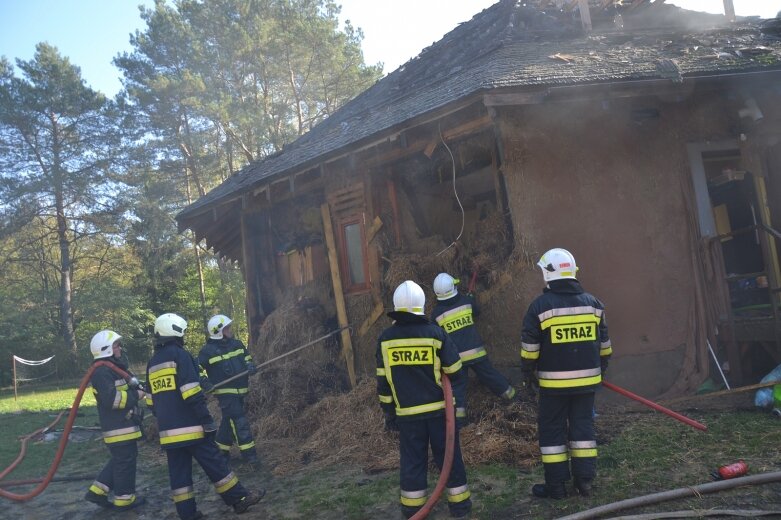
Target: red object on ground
[(737, 469), (657, 407)]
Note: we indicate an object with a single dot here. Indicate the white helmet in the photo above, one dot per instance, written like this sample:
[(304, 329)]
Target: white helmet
[(216, 324), (409, 297), (558, 264), (170, 325), (102, 344), (445, 286)]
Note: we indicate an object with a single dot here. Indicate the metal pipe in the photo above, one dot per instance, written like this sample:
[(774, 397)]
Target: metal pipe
[(241, 374), (718, 365)]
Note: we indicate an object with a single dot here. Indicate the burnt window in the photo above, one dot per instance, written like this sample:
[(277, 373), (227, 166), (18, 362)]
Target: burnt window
[(352, 254)]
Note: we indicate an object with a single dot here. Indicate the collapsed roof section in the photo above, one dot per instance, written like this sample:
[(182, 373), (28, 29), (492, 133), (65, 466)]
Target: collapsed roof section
[(513, 46)]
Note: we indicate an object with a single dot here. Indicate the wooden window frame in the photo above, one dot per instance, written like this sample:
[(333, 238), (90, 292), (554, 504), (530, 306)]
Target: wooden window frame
[(344, 260)]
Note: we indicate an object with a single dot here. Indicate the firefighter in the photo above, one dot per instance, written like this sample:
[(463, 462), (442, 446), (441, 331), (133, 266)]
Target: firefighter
[(410, 354), (223, 357), (455, 312), (565, 340), (186, 427), (120, 419)]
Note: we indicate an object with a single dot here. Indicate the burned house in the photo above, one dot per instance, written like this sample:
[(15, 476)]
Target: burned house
[(644, 138)]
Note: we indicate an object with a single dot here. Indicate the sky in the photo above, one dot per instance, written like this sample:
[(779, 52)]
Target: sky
[(92, 32)]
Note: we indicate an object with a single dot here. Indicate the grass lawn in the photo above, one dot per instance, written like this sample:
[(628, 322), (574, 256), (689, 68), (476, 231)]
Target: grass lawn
[(36, 408), (639, 453), (646, 453)]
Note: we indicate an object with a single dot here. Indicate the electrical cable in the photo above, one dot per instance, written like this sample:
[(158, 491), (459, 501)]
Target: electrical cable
[(455, 191)]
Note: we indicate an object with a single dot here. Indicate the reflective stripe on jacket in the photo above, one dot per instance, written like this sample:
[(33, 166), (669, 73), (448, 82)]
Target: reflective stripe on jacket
[(222, 359), (564, 336), (177, 399), (456, 315), (116, 402), (411, 355)]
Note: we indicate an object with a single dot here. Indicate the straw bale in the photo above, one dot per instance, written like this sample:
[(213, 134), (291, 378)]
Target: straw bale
[(348, 429)]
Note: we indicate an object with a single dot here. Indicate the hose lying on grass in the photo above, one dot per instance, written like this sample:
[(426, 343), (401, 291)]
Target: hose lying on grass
[(63, 441), (655, 498), (697, 513), (23, 447)]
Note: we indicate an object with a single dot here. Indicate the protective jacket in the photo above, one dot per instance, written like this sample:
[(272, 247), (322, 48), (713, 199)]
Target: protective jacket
[(565, 338), (222, 359), (410, 355), (176, 396), (456, 316), (117, 410)]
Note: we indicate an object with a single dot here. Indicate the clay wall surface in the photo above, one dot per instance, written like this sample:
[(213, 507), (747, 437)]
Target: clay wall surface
[(611, 182)]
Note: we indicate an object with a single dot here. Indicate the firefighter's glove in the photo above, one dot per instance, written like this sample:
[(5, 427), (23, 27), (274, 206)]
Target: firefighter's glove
[(137, 415), (529, 383), (603, 364), (206, 385), (252, 369), (134, 383), (210, 430), (390, 422)]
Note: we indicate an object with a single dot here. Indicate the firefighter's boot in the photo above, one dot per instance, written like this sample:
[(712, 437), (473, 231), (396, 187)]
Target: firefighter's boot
[(100, 500), (583, 486), (250, 500), (555, 491)]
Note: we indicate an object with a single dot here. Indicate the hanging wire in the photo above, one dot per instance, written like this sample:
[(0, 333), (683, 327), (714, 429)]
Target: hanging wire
[(455, 191)]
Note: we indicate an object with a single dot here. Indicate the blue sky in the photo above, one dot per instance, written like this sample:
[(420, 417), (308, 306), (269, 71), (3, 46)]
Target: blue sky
[(92, 32)]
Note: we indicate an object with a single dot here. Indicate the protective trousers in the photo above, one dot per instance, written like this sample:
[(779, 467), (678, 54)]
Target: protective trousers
[(234, 427), (119, 475), (566, 432), (180, 474), (414, 440), (488, 375)]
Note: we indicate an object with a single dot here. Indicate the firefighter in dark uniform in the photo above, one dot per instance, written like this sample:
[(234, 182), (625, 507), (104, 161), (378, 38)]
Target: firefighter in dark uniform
[(223, 357), (410, 355), (565, 340), (185, 425), (455, 312), (120, 419)]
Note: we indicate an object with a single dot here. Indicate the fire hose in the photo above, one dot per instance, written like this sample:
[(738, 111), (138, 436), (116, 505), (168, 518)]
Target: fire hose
[(655, 406), (447, 461), (450, 426), (63, 440)]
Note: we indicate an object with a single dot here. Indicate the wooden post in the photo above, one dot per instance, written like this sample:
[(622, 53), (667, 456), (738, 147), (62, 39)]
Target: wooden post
[(729, 10), (252, 309), (13, 362), (341, 309), (585, 14), (395, 207)]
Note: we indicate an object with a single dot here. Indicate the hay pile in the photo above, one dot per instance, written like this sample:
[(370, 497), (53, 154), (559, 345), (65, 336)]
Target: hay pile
[(490, 247), (286, 387), (348, 429)]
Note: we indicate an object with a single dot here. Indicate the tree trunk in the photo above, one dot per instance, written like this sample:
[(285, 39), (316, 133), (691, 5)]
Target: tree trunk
[(66, 304), (199, 265)]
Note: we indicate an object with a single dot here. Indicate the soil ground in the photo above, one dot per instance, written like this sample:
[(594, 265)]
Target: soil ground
[(640, 453)]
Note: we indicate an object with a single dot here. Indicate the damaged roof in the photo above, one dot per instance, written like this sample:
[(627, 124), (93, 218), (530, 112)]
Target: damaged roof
[(517, 44)]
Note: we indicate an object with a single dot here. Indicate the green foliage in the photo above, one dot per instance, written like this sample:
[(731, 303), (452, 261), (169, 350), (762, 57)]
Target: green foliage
[(90, 185)]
